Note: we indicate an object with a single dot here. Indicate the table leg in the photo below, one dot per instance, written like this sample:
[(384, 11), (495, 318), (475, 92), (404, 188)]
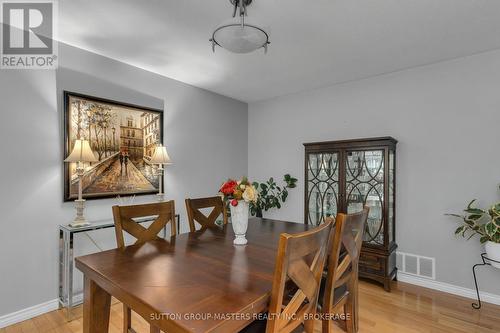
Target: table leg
[(61, 269), (67, 273), (96, 308), (69, 262)]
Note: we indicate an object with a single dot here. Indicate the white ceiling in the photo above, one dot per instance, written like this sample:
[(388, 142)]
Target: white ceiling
[(314, 43)]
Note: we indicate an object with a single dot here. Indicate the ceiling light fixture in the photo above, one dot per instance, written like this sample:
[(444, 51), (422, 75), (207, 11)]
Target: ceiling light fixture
[(240, 35)]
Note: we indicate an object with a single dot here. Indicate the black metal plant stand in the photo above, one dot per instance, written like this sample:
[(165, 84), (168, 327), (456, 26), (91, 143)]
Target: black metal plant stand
[(486, 262)]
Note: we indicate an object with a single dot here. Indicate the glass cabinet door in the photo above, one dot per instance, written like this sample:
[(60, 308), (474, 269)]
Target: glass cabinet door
[(322, 186), (365, 186), (391, 207)]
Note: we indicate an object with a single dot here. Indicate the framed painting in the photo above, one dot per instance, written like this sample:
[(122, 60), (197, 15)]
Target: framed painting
[(122, 137)]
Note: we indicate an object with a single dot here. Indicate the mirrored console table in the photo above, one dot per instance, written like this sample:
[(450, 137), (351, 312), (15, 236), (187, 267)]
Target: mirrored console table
[(66, 258)]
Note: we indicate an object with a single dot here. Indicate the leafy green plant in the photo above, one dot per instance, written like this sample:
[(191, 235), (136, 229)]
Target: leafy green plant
[(477, 221), (271, 195)]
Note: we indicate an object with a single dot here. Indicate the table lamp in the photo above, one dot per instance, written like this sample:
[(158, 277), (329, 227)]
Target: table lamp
[(81, 154), (160, 157)]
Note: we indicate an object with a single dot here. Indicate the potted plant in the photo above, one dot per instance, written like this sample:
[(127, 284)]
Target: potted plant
[(271, 195), (486, 224), (239, 194)]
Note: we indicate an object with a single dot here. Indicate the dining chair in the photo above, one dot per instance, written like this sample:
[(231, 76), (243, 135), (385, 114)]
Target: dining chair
[(340, 285), (194, 207), (300, 260), (124, 222)]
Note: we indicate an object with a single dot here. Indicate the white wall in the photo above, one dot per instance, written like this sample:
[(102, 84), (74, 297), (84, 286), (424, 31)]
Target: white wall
[(206, 135), (446, 117)]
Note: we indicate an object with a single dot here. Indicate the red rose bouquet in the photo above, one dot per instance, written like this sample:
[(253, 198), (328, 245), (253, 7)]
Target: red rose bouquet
[(233, 191)]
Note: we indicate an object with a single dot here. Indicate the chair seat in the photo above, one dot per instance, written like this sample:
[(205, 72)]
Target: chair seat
[(259, 326)]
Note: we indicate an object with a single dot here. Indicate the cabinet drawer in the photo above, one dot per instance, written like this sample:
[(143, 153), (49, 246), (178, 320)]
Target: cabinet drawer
[(370, 262)]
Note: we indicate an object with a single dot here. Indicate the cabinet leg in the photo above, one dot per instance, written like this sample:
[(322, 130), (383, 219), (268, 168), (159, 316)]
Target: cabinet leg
[(387, 285)]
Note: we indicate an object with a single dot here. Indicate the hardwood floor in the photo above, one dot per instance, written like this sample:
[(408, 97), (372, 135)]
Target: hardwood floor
[(407, 309)]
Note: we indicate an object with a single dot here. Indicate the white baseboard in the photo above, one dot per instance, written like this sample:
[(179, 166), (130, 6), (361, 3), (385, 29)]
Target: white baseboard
[(28, 313), (78, 299), (34, 311), (448, 288)]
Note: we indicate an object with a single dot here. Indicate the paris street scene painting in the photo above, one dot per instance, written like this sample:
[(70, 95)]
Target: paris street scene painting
[(122, 138)]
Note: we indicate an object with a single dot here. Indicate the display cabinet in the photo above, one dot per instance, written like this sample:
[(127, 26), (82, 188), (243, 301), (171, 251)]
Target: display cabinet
[(342, 177)]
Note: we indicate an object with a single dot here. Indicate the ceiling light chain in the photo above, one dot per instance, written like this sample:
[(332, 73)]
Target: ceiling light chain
[(242, 5)]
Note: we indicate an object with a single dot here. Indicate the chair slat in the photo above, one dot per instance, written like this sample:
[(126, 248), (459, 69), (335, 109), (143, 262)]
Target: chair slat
[(194, 206), (124, 215)]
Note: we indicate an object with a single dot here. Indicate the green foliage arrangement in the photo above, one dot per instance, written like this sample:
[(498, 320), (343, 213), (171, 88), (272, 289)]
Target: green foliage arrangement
[(271, 195), (477, 221)]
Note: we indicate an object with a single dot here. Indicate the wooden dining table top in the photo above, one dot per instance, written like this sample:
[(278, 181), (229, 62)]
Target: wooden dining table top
[(194, 282)]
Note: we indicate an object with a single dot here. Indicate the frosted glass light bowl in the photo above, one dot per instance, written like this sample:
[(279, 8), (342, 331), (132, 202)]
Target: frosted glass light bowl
[(236, 38)]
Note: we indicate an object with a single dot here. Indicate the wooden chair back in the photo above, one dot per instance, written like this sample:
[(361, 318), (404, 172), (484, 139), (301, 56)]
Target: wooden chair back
[(300, 259), (194, 206), (124, 221), (345, 247)]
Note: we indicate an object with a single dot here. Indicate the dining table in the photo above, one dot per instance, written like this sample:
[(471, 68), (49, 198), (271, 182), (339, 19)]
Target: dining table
[(192, 282)]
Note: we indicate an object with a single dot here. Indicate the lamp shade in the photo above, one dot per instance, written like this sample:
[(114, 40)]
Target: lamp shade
[(160, 156), (238, 38), (81, 152)]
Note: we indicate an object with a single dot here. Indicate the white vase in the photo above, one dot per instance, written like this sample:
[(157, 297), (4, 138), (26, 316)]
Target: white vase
[(239, 220), (493, 252)]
